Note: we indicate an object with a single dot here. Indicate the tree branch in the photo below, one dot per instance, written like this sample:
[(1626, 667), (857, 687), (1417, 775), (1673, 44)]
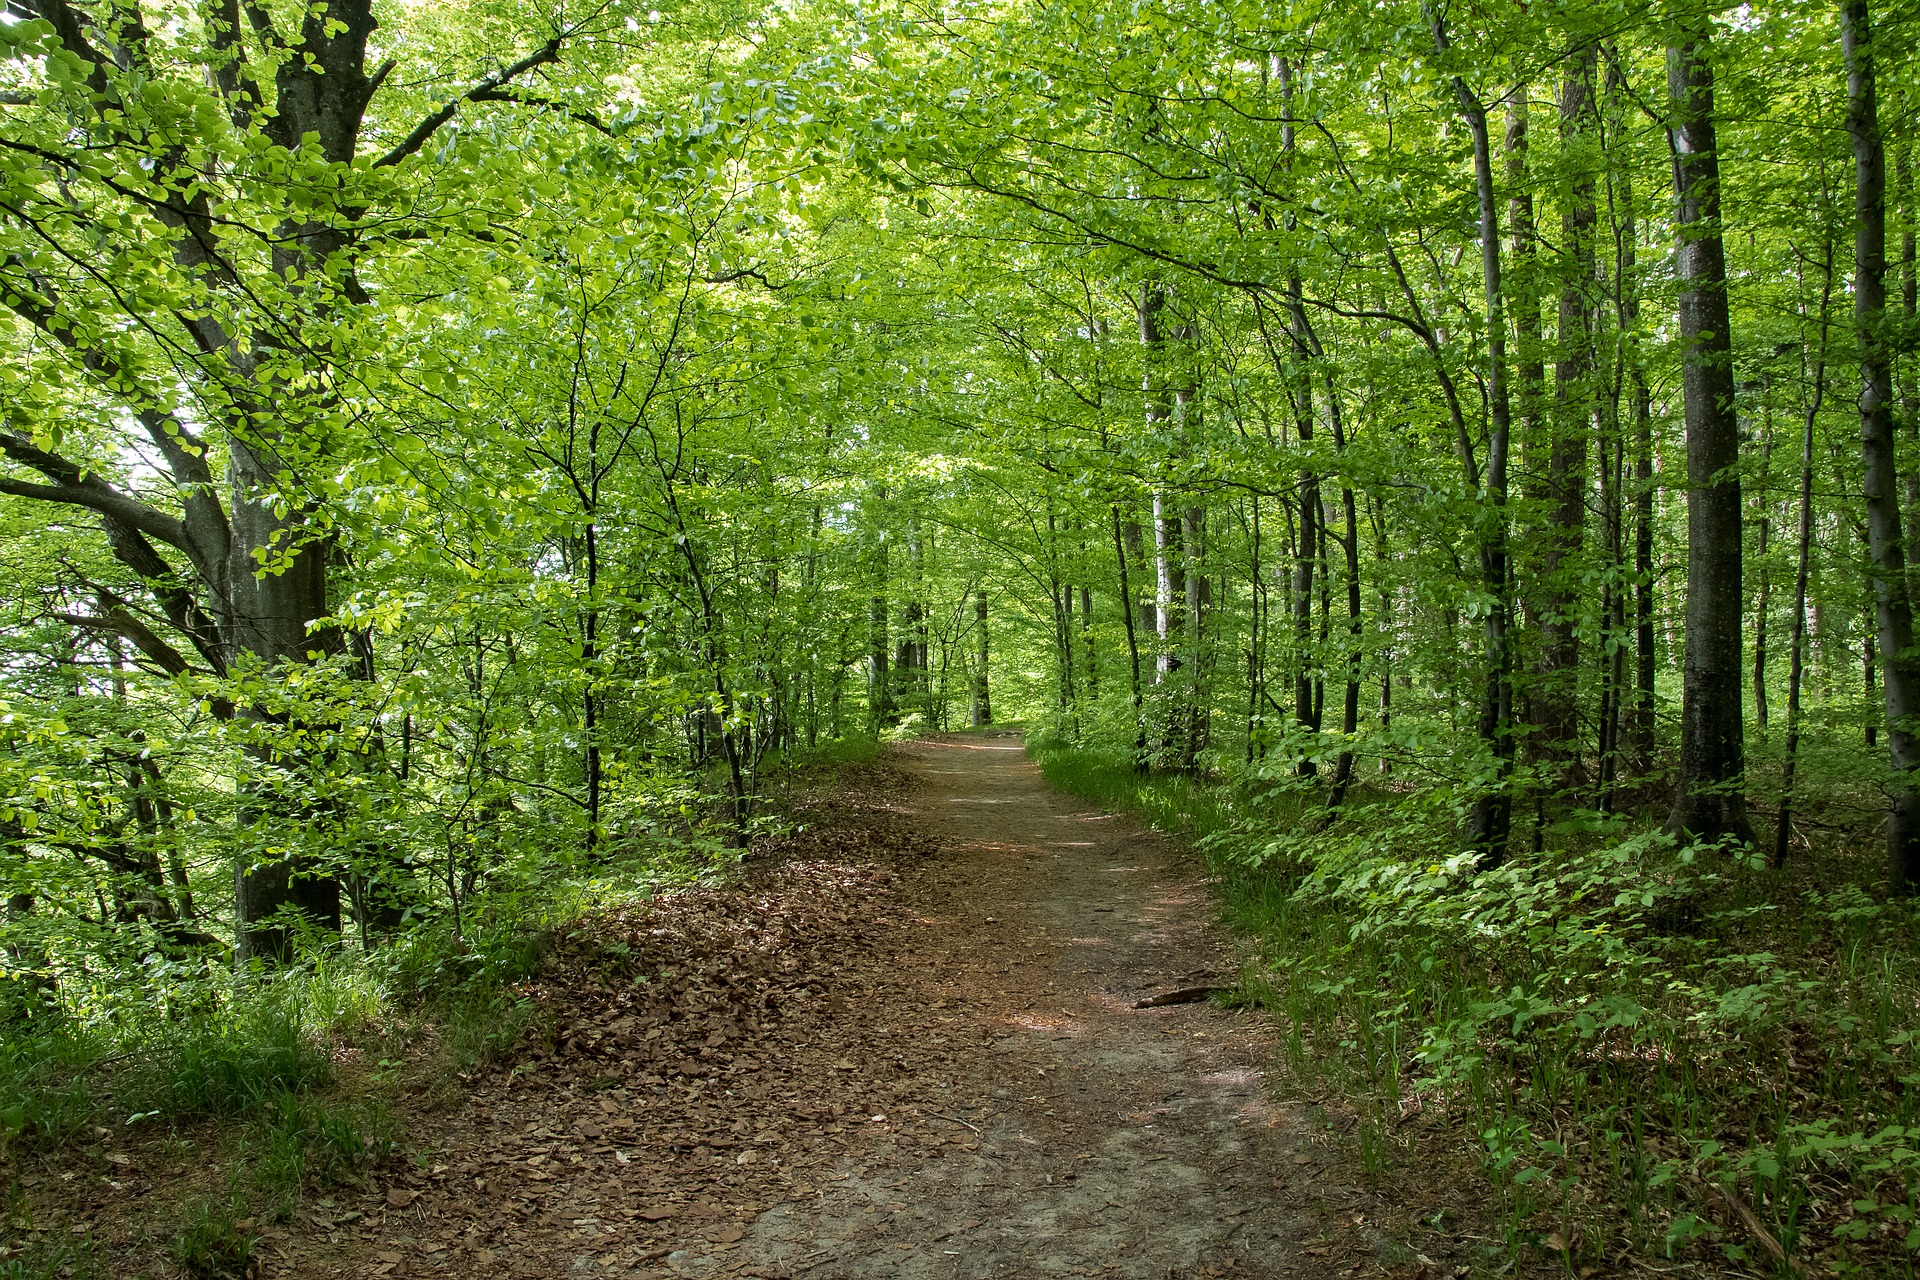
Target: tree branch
[(76, 486), (179, 603), (488, 90), (120, 622)]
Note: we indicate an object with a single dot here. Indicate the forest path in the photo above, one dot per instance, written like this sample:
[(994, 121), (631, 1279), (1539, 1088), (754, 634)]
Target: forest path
[(906, 1046), (1112, 1141)]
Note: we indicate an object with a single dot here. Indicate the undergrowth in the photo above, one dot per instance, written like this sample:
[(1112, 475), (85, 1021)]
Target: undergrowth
[(1647, 1047), (295, 1066)]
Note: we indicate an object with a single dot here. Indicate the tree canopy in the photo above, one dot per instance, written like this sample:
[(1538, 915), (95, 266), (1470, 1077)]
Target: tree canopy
[(451, 448)]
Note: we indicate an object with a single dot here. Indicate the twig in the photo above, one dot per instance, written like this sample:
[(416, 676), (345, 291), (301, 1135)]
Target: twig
[(955, 1119), (1751, 1221)]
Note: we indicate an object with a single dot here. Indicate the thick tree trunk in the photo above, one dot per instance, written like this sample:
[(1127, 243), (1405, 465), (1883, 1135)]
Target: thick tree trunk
[(1886, 555), (1712, 802)]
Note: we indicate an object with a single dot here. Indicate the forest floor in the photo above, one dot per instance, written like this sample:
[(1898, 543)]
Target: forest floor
[(908, 1042)]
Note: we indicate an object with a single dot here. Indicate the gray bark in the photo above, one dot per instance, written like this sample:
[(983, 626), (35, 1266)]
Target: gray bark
[(1886, 555), (1712, 803)]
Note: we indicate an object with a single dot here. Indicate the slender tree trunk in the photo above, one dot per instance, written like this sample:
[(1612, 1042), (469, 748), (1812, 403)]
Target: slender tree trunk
[(1086, 639), (1191, 725), (1062, 624), (1763, 605), (1256, 630), (1712, 803), (1350, 703), (880, 705), (1640, 720), (1166, 519), (1910, 383), (982, 702), (1529, 368), (1307, 550), (1869, 660), (1490, 822), (1556, 688), (1133, 638), (1900, 669), (1387, 650), (1803, 554), (1167, 590), (589, 695), (910, 649)]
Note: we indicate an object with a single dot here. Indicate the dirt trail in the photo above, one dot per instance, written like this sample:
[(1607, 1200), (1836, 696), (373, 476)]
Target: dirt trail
[(909, 1049), (1115, 1141)]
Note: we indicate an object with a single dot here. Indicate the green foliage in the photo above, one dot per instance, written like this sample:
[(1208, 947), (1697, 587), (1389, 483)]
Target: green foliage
[(474, 512), (230, 1063), (308, 1141)]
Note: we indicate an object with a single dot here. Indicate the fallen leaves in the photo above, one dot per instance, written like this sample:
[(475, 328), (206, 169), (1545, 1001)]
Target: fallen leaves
[(692, 1058)]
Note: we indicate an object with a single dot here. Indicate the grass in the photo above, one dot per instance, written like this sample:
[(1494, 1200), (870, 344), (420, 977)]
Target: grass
[(216, 1237), (1645, 1048)]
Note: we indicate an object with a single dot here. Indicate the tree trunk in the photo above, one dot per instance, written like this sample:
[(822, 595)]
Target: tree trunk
[(589, 697), (1797, 636), (1193, 722), (880, 704), (1712, 802), (1121, 557), (1910, 383), (1490, 822), (1555, 689), (982, 704), (1886, 556), (1763, 603)]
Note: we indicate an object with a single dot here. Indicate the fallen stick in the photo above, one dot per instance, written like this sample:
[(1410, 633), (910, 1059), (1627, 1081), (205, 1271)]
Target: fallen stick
[(1184, 995), (1751, 1221)]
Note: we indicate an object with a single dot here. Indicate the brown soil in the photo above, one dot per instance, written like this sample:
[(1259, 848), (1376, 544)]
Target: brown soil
[(908, 1046)]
